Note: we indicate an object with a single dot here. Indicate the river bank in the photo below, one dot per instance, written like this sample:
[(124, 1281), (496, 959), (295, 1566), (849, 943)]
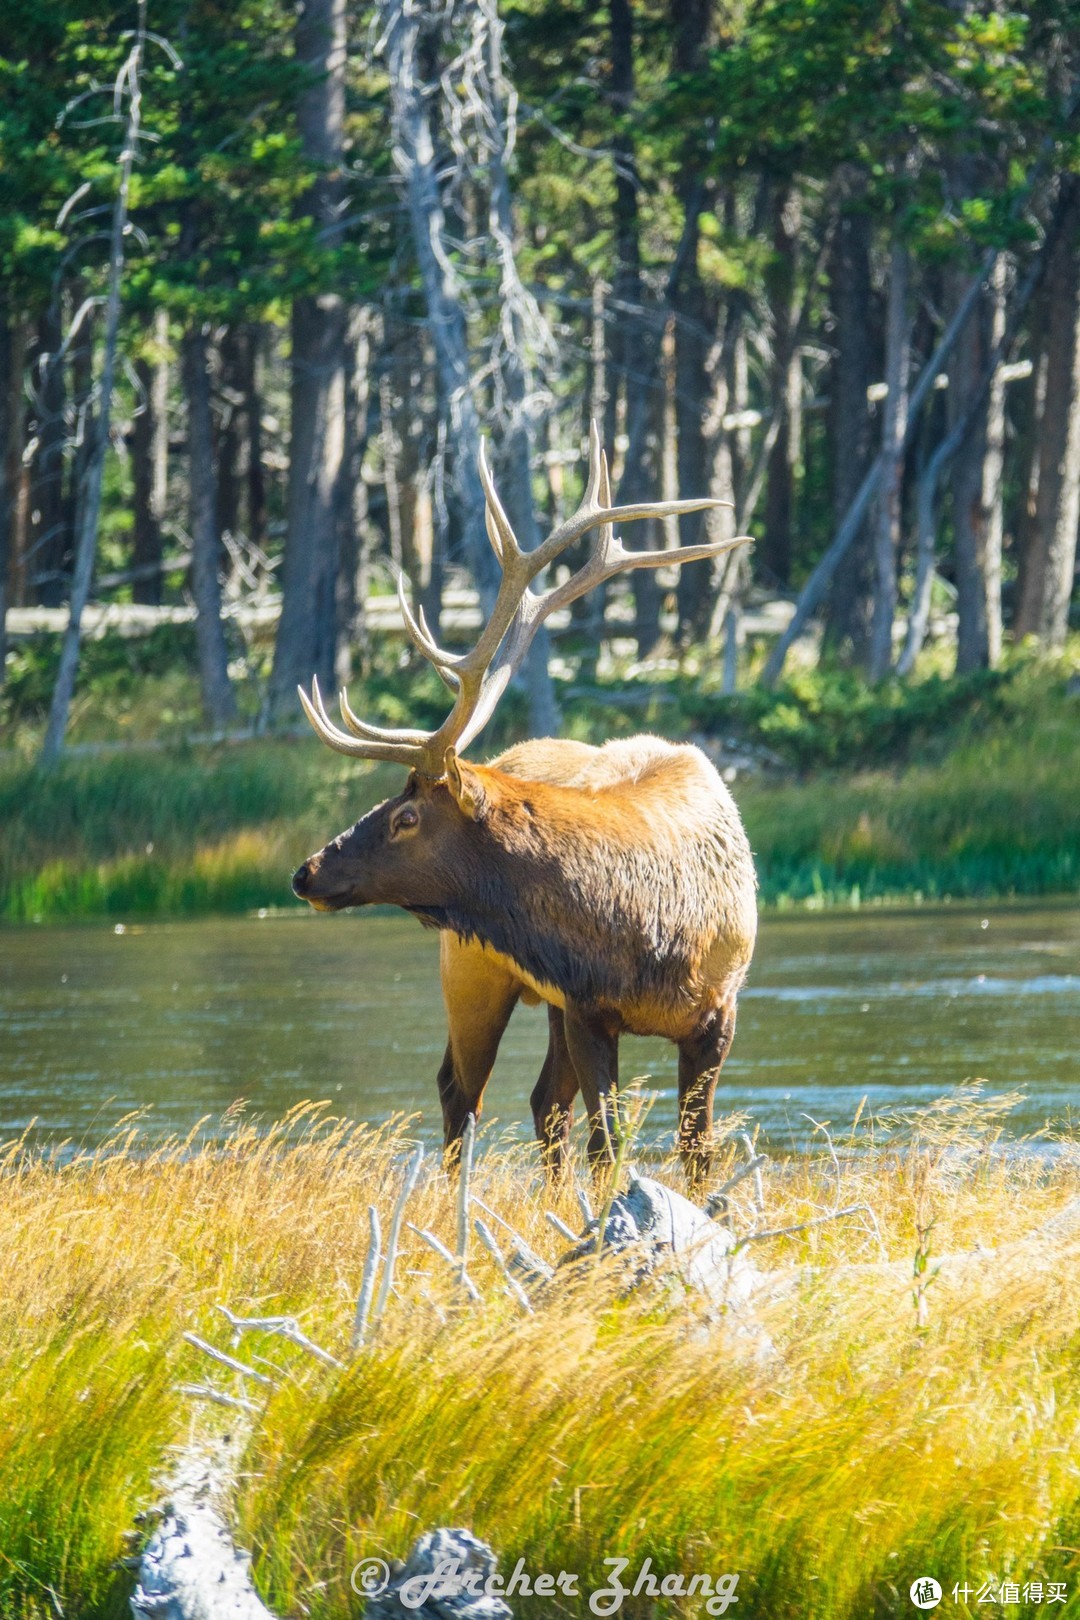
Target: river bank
[(987, 806)]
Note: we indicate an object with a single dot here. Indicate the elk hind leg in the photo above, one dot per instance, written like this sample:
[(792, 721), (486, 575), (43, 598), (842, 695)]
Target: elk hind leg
[(553, 1097), (701, 1057)]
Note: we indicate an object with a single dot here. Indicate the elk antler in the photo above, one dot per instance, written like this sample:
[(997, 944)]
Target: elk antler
[(479, 677)]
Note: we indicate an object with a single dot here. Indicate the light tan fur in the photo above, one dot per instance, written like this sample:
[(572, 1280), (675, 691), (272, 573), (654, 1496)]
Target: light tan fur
[(647, 801)]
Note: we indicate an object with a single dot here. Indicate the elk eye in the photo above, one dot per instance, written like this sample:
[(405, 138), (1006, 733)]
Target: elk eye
[(406, 817)]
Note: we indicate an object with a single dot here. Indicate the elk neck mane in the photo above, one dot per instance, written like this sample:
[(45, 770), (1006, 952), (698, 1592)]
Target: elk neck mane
[(620, 882)]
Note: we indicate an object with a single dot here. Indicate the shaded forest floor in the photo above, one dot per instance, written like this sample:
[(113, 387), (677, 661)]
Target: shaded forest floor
[(902, 1423), (965, 788)]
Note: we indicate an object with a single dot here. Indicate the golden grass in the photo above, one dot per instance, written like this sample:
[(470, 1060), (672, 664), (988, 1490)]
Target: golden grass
[(865, 1450)]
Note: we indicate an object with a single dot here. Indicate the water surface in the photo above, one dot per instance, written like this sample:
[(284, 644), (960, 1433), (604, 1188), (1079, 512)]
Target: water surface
[(190, 1017)]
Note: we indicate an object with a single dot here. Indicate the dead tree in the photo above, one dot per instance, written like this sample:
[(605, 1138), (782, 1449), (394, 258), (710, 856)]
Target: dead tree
[(484, 146), (126, 93)]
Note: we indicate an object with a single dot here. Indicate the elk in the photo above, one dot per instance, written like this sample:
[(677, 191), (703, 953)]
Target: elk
[(614, 884)]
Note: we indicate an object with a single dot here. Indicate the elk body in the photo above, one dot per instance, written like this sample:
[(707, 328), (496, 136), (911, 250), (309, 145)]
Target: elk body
[(615, 884)]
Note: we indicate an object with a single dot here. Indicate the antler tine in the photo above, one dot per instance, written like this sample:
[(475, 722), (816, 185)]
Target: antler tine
[(423, 640), (607, 530), (616, 560), (383, 734), (500, 531), (403, 753), (478, 677), (597, 464)]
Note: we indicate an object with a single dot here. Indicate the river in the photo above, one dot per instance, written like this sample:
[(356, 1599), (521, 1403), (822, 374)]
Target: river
[(186, 1018)]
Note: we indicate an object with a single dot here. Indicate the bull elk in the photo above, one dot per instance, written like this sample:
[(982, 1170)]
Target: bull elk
[(615, 884)]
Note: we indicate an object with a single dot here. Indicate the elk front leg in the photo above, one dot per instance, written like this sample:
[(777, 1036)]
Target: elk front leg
[(553, 1097), (592, 1040), (480, 995), (700, 1060)]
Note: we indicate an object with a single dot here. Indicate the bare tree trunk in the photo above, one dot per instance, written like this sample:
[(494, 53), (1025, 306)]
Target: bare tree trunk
[(926, 543), (849, 606), (890, 489), (307, 628), (256, 477), (219, 701), (1049, 565), (90, 504), (993, 471), (149, 453), (415, 155)]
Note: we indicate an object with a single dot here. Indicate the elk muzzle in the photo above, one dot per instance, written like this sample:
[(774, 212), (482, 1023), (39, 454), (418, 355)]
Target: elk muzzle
[(305, 886)]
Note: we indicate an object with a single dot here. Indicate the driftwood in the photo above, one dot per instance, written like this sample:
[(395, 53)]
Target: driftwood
[(661, 1232), (192, 1569)]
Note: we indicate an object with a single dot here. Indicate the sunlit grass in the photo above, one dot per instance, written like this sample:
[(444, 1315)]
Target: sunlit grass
[(864, 1449)]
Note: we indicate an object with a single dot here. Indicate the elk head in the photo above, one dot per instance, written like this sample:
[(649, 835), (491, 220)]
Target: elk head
[(411, 850)]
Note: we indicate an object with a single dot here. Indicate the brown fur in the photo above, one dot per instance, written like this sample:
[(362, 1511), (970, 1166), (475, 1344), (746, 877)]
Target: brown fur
[(614, 883)]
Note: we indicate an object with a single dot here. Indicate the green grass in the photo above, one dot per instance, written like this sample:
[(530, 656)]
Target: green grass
[(968, 789), (867, 1448)]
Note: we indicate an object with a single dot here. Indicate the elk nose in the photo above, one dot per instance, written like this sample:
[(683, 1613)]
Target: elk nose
[(300, 880)]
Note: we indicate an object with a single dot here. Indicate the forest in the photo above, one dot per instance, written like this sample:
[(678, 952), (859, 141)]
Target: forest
[(269, 275)]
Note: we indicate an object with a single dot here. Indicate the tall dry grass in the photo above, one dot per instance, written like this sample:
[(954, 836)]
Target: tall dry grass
[(882, 1437)]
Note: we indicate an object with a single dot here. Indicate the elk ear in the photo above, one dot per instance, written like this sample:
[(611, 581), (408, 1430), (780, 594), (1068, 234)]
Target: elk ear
[(465, 786)]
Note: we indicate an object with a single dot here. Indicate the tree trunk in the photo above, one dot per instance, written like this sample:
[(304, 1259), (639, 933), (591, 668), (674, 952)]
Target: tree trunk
[(890, 489), (49, 535), (634, 340), (776, 544), (544, 716), (256, 477), (969, 517), (15, 473), (308, 625), (850, 602), (823, 571), (993, 470), (149, 458), (7, 504), (219, 701), (89, 505), (1049, 566), (230, 437), (415, 156), (695, 321), (354, 549)]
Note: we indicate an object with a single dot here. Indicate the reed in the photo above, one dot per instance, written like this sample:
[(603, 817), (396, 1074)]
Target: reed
[(898, 1426)]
